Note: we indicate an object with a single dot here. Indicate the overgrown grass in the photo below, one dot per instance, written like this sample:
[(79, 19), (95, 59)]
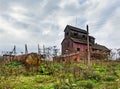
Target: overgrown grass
[(49, 75)]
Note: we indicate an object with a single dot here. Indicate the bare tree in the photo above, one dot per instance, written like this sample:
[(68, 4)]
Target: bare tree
[(112, 54), (118, 52)]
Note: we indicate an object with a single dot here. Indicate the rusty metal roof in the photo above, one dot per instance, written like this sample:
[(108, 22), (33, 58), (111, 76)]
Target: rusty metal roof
[(75, 29), (99, 47), (79, 41)]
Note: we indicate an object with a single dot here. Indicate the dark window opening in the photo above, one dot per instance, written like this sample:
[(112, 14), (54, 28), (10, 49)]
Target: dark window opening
[(75, 59), (67, 34), (63, 59), (78, 49), (75, 34), (83, 36), (81, 58)]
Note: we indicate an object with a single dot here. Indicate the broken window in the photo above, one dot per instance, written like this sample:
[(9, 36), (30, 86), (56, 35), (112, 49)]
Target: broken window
[(67, 34), (78, 49), (75, 34), (75, 59), (83, 36)]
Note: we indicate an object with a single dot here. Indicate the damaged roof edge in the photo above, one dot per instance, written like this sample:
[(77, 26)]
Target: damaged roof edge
[(75, 29), (100, 47)]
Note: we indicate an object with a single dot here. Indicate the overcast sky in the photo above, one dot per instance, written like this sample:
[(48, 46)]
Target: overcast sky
[(43, 21)]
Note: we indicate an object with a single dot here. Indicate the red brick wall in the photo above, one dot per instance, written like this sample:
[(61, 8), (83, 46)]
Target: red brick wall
[(71, 46), (82, 47), (67, 45)]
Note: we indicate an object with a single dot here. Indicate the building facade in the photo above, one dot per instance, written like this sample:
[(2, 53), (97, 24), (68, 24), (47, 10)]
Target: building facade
[(75, 40)]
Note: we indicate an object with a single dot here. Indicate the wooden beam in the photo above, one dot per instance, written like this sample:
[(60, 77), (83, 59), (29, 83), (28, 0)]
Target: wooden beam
[(88, 46)]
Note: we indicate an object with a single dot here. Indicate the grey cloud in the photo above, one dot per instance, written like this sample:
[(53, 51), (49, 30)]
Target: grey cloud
[(48, 15), (2, 31)]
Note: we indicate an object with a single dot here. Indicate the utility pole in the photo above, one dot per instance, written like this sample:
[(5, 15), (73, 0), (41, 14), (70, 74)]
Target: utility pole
[(14, 50), (26, 50), (88, 47), (39, 51), (43, 50)]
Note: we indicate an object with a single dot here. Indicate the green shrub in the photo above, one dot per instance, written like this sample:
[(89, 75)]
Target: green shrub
[(44, 69), (109, 78), (89, 85), (14, 64), (50, 68), (85, 84), (91, 75), (61, 86), (100, 69), (28, 87), (45, 87)]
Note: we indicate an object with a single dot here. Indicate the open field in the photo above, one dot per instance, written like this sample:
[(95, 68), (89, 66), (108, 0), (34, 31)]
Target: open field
[(53, 75)]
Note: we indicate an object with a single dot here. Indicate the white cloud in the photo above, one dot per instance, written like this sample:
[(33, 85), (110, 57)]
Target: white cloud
[(43, 21), (46, 32)]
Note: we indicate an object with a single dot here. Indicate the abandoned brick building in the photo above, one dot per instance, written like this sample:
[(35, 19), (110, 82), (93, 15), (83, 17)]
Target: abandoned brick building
[(75, 41)]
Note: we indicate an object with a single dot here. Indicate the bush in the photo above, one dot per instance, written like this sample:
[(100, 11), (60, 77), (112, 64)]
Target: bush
[(109, 78), (89, 85), (45, 87), (14, 64), (91, 75), (61, 86), (44, 69), (50, 68)]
